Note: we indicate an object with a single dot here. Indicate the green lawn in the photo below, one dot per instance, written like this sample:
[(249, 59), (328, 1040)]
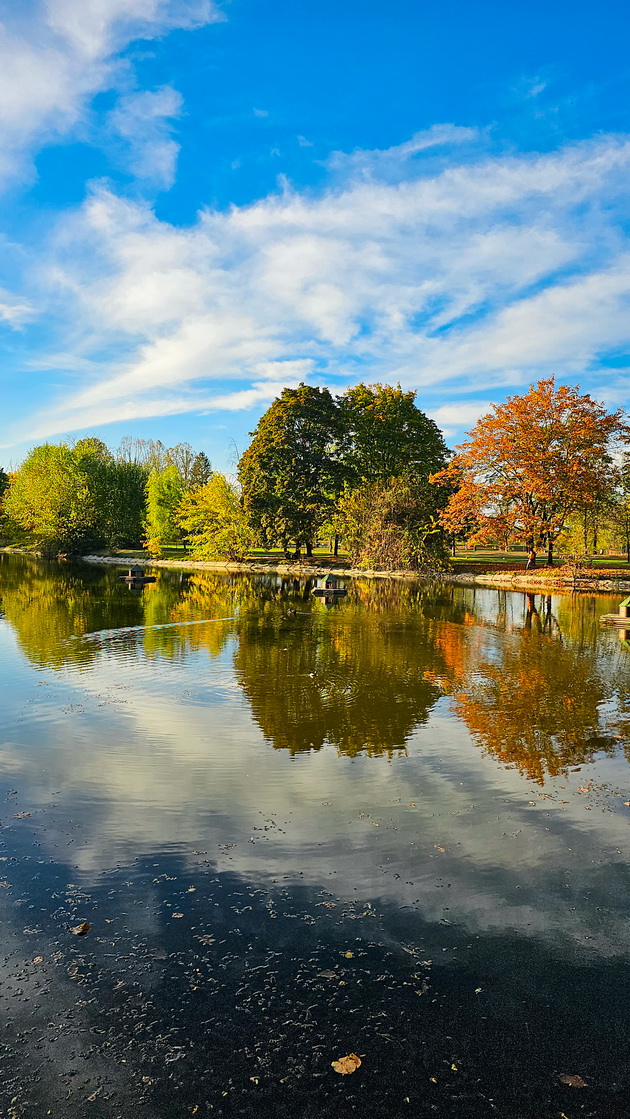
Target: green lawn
[(498, 558)]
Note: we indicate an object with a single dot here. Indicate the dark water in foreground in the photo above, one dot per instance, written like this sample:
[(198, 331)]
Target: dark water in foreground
[(419, 854)]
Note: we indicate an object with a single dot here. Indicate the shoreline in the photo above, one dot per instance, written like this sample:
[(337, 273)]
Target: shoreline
[(502, 580)]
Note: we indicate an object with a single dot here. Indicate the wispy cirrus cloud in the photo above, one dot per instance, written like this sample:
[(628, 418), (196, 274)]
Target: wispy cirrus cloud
[(55, 55), (486, 271)]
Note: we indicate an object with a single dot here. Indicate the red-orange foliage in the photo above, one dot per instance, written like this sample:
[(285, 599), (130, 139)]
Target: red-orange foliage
[(531, 463)]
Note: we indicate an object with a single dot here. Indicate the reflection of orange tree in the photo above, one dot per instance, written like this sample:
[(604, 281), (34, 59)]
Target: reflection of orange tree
[(369, 689), (531, 700)]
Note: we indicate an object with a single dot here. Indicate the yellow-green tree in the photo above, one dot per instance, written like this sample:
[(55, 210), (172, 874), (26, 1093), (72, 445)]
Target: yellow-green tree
[(214, 521)]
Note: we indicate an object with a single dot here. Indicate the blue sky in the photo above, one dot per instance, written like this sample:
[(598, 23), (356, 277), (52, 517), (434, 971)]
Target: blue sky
[(202, 203)]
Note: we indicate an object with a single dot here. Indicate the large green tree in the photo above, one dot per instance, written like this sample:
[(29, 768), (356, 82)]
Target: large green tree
[(52, 496), (387, 436), (292, 472)]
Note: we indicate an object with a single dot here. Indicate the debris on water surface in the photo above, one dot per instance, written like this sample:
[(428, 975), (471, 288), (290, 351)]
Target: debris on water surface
[(82, 929), (572, 1081), (21, 815), (345, 1065)]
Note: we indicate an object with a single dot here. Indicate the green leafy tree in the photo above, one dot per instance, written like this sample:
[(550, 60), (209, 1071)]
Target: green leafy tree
[(215, 522), (291, 473), (165, 491), (124, 512), (387, 436), (53, 497), (201, 471)]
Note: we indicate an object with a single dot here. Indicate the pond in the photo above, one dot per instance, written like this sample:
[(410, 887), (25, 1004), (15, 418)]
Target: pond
[(396, 827)]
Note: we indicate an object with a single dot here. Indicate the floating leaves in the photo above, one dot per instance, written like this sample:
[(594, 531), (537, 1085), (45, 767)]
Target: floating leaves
[(345, 1065), (82, 929), (572, 1081)]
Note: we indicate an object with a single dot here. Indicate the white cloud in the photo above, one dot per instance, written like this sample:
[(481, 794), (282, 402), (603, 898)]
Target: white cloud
[(55, 55), (13, 310), (480, 273), (462, 414), (388, 160), (141, 122)]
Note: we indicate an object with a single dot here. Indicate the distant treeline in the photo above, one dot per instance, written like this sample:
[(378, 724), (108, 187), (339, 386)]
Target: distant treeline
[(367, 468)]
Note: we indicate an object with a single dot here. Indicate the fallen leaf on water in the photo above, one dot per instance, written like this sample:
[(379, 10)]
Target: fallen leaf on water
[(627, 803), (345, 1065), (348, 955), (177, 914), (572, 1081), (82, 929), (21, 815), (583, 789), (38, 959), (438, 848)]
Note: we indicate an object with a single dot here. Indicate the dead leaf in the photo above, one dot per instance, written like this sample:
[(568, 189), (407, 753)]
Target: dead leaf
[(627, 803), (345, 1065), (82, 929), (21, 815), (572, 1081), (177, 914), (38, 959)]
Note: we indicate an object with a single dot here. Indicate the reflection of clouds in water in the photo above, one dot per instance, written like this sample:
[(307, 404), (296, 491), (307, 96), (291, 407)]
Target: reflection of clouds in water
[(164, 771)]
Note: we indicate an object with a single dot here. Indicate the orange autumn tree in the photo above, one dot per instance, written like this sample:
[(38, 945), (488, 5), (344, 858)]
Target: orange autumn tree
[(530, 464)]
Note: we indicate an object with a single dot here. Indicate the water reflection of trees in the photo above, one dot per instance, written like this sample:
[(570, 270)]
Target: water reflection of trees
[(535, 681), (354, 677), (533, 698), (50, 604)]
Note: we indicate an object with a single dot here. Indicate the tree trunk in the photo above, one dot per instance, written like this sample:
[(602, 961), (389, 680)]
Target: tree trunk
[(309, 549), (628, 541), (336, 548), (549, 552)]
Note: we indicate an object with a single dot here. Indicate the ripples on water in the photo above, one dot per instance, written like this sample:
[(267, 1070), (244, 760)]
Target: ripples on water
[(396, 827)]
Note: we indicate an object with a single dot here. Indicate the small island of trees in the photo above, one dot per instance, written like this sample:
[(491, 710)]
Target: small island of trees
[(367, 470)]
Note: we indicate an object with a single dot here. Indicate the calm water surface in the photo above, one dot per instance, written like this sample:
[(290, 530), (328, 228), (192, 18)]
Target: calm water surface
[(395, 827)]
